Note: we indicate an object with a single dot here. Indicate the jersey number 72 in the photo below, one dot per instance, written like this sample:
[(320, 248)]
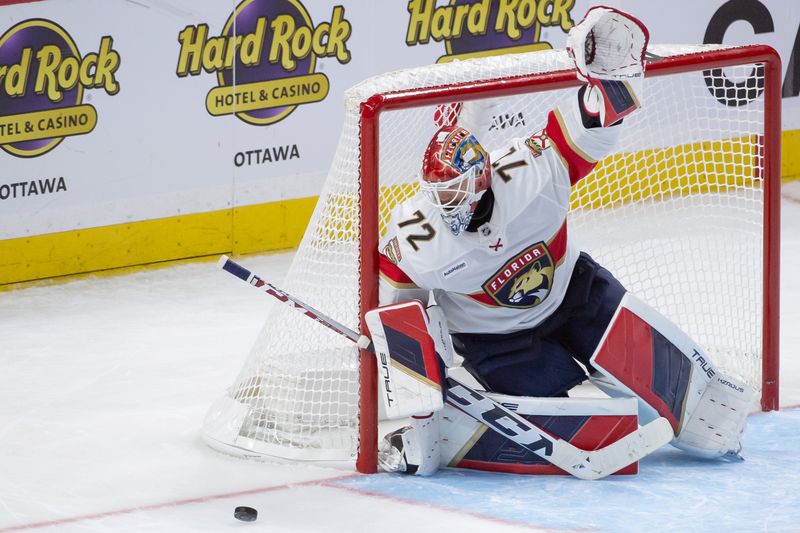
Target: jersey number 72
[(418, 218)]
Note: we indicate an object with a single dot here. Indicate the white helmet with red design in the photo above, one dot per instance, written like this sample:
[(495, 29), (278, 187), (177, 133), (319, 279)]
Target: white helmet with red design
[(455, 173)]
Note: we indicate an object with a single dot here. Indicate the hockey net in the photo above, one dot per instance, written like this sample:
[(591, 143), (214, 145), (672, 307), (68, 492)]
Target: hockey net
[(685, 214)]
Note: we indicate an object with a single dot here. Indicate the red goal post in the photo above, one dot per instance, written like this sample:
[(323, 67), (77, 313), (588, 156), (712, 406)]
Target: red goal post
[(369, 174)]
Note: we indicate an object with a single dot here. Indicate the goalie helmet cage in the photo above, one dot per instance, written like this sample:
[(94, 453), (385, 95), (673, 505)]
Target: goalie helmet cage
[(685, 213)]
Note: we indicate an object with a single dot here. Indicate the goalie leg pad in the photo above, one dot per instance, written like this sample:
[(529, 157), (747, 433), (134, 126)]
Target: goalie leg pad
[(643, 354), (410, 372), (715, 426)]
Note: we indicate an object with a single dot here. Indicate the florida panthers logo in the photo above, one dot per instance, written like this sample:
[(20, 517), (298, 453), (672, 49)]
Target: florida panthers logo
[(524, 281), (532, 284)]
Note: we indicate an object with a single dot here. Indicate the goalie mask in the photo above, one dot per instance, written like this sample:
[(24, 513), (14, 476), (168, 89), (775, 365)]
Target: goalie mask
[(455, 173)]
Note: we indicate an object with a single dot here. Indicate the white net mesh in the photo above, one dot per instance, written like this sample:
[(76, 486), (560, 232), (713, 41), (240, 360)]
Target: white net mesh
[(676, 214)]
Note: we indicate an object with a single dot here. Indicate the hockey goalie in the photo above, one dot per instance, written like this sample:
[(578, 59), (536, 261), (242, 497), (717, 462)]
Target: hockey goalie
[(485, 244)]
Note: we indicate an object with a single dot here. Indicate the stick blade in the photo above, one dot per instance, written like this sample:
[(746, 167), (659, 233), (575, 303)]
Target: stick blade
[(223, 259), (658, 433), (625, 451)]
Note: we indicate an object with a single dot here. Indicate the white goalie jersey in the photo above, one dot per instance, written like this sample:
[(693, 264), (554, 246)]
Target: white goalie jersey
[(514, 270)]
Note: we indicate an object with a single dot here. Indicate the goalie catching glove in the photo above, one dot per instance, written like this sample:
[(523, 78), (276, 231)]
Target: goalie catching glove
[(608, 48)]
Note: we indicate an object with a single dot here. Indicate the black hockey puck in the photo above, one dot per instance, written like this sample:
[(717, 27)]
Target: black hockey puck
[(245, 514)]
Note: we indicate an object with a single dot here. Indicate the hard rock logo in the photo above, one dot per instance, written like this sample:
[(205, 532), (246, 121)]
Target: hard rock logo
[(475, 28), (265, 58), (525, 280), (42, 80)]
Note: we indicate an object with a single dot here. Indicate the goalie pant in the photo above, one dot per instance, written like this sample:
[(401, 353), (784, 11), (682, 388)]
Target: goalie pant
[(543, 361)]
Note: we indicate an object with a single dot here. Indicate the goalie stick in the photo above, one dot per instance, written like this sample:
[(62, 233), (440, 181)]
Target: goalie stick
[(580, 463), (232, 267)]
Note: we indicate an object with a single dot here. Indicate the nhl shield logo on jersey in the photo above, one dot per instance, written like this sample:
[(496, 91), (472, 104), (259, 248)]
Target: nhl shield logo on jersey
[(525, 280)]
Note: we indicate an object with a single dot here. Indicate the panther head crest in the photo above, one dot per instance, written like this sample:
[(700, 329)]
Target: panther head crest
[(533, 283)]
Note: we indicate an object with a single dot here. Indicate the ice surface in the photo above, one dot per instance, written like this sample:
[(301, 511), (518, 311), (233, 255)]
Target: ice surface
[(105, 381)]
